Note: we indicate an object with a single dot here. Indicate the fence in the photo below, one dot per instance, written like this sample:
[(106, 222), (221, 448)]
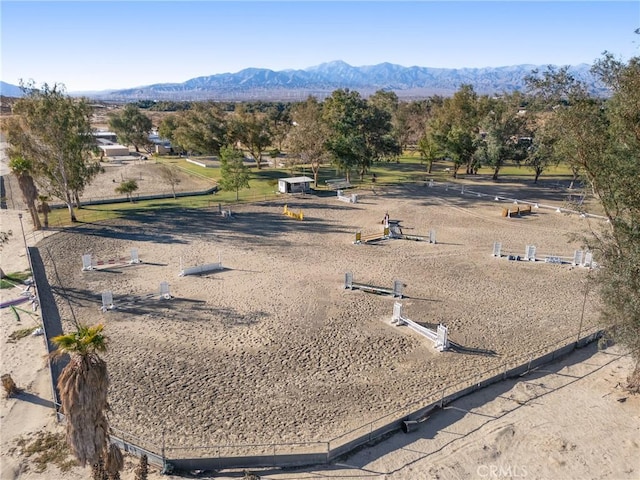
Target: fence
[(473, 191), (88, 216), (217, 457), (220, 457)]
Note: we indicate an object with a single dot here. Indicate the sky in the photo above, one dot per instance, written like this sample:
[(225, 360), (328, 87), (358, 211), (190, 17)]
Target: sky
[(94, 45)]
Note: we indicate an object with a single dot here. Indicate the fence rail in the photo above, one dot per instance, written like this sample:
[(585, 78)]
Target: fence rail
[(323, 452), (85, 215)]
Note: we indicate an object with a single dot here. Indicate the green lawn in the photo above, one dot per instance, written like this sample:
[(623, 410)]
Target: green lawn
[(264, 185)]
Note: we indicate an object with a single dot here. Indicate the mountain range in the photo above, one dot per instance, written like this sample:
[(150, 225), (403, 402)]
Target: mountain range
[(8, 90), (321, 80)]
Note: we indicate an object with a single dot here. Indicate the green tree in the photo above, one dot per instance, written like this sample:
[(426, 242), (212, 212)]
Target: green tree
[(127, 188), (502, 126), (234, 174), (54, 132), (614, 176), (279, 115), (23, 169), (131, 126), (200, 130), (576, 120), (308, 136), (253, 131), (429, 150), (380, 133), (581, 135), (411, 121), (343, 113), (387, 102), (454, 127), (83, 386), (171, 175), (358, 132), (168, 128), (541, 154), (603, 138)]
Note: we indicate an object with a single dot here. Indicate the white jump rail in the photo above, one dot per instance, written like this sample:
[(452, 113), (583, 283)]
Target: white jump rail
[(396, 291), (89, 262), (107, 301), (224, 213), (353, 198), (579, 258), (439, 337), (200, 269), (109, 304), (396, 233)]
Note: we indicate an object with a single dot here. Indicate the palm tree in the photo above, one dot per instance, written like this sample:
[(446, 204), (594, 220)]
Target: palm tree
[(83, 386), (22, 169)]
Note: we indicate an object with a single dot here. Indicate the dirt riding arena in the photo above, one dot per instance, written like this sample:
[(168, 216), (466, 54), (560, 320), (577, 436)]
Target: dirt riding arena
[(273, 349)]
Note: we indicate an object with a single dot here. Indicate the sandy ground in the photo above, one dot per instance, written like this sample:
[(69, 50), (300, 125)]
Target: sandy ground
[(274, 349)]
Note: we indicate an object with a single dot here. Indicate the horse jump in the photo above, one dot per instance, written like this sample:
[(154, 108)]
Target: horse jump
[(289, 213), (395, 291), (353, 198), (198, 269), (438, 337), (579, 258), (516, 211), (372, 237), (91, 263), (108, 303), (224, 213), (396, 233)]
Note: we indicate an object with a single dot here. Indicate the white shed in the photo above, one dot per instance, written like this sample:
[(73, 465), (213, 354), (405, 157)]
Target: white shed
[(294, 184)]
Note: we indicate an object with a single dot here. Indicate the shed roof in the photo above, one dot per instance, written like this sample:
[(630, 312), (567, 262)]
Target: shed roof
[(297, 180)]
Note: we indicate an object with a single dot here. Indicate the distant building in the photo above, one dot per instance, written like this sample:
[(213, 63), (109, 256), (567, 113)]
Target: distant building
[(294, 184), (108, 136), (108, 146), (107, 143), (161, 146), (113, 150)]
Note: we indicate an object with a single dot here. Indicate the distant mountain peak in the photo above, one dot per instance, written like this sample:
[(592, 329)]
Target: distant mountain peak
[(321, 80), (329, 65)]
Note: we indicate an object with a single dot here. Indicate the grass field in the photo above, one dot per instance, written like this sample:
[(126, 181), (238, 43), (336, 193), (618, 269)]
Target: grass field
[(264, 183)]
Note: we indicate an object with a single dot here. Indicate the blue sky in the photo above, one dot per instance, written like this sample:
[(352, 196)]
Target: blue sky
[(92, 45)]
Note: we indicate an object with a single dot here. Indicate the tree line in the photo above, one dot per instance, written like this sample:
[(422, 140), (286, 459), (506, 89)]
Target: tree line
[(345, 130)]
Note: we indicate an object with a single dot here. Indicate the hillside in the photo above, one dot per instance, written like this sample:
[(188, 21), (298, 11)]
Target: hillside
[(320, 81)]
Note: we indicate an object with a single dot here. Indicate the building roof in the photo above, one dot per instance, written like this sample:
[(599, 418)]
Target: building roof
[(296, 180), (113, 146)]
